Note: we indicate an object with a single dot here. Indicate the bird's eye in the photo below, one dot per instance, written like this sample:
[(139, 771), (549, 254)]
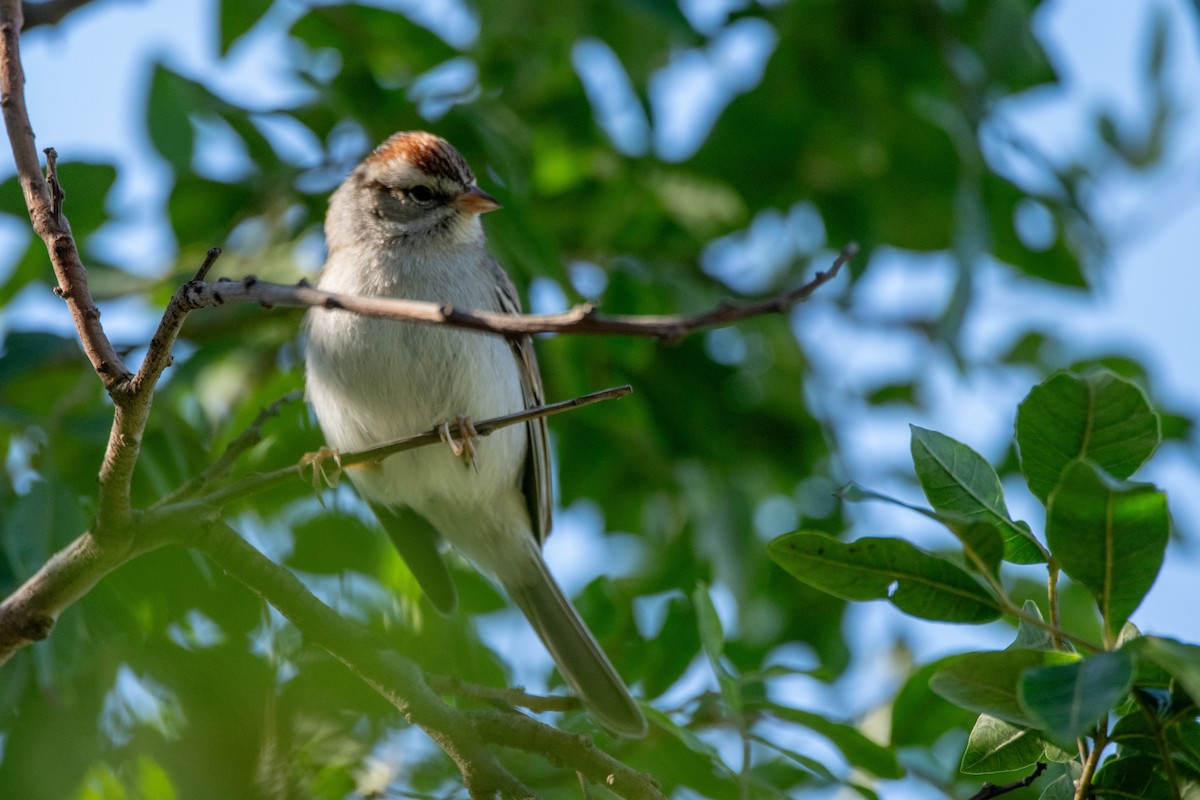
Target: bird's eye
[(421, 193)]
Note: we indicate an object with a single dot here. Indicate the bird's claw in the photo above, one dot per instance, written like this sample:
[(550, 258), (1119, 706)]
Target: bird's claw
[(462, 441), (317, 462)]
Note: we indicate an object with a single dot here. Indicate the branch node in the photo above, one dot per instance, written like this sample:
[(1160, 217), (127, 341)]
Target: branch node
[(331, 302), (303, 283), (210, 258), (249, 281), (57, 195), (37, 627)]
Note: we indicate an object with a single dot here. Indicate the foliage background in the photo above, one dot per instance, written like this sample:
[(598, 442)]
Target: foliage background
[(918, 129)]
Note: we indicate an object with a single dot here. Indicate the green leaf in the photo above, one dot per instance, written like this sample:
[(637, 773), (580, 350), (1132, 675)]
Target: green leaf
[(1063, 787), (859, 750), (1179, 659), (960, 482), (1102, 417), (239, 16), (1067, 700), (868, 569), (920, 716), (1109, 538), (1030, 636), (997, 746), (167, 118), (987, 682), (1134, 776), (712, 636)]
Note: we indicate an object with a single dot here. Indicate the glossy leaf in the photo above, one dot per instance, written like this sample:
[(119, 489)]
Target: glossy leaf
[(1101, 417), (1108, 537), (867, 569)]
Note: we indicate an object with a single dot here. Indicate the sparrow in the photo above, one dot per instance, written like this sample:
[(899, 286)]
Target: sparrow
[(406, 224)]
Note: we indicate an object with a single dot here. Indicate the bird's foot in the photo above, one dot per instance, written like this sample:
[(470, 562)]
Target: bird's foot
[(462, 441), (317, 462)]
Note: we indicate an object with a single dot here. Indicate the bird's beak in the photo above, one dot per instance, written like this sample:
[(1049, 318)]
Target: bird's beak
[(476, 201)]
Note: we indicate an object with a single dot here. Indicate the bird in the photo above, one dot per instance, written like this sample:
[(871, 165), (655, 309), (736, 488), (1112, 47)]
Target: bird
[(405, 223)]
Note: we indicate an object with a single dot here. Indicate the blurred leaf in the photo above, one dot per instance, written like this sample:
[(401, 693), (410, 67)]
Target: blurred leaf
[(1067, 700), (1100, 417), (167, 118), (919, 715), (859, 751), (1110, 538), (866, 569), (237, 17)]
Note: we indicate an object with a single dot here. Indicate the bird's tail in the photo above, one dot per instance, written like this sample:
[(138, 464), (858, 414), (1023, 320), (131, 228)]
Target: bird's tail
[(575, 651)]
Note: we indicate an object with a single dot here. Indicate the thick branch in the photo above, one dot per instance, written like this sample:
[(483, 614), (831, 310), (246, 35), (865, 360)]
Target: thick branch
[(581, 320)]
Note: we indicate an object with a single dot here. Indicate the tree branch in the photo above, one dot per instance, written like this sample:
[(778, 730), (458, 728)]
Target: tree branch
[(580, 320), (262, 481), (990, 790)]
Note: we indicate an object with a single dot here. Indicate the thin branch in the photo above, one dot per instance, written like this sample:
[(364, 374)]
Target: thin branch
[(515, 697), (990, 790), (225, 463), (580, 320), (566, 750), (158, 355), (259, 482)]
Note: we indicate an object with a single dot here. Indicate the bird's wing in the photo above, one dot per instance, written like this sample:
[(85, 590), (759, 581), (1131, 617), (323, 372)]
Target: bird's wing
[(537, 463)]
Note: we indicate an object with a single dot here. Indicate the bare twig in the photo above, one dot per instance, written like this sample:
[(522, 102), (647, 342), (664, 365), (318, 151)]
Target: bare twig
[(580, 320), (47, 224), (226, 461), (515, 697), (259, 482), (990, 790)]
